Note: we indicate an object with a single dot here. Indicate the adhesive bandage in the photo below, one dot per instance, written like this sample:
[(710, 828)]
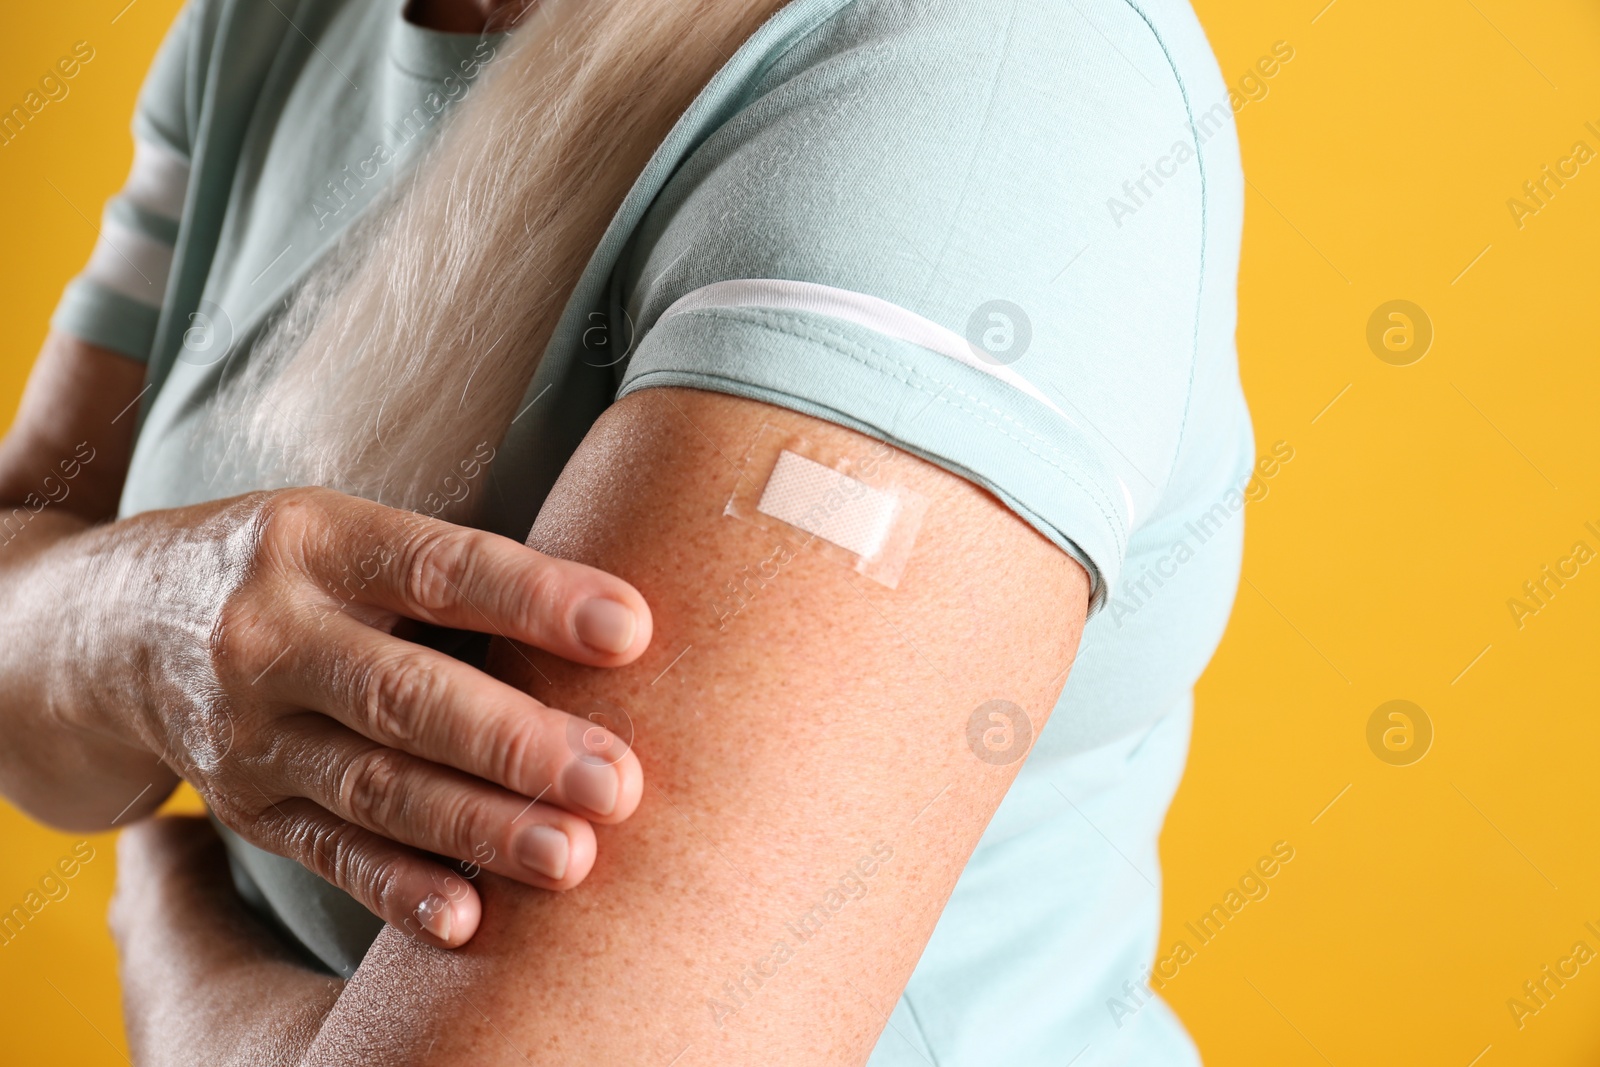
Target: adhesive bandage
[(833, 506), (840, 506)]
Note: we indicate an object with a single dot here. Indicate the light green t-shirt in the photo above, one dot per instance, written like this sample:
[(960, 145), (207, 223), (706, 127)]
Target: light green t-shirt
[(1003, 236)]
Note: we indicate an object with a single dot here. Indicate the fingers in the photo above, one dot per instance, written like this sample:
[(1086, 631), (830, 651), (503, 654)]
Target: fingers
[(404, 748), (433, 808), (404, 889), (430, 705), (468, 579)]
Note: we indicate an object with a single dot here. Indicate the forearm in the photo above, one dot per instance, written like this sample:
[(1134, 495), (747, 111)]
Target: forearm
[(233, 1003), (74, 758), (62, 465), (204, 982)]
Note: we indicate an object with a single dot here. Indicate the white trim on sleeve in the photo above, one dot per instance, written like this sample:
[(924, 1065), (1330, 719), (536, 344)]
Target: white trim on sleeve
[(859, 308), (159, 179), (873, 313), (132, 263)]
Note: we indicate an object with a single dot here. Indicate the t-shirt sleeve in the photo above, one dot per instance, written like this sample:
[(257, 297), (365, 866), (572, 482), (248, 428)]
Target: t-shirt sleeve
[(974, 231), (116, 300)]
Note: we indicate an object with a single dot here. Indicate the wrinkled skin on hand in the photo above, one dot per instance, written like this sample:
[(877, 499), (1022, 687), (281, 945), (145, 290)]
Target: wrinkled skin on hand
[(254, 647)]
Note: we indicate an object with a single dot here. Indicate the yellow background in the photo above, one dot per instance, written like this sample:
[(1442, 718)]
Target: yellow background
[(1378, 566)]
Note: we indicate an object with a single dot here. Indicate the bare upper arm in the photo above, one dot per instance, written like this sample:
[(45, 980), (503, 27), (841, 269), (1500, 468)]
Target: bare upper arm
[(79, 403), (811, 795)]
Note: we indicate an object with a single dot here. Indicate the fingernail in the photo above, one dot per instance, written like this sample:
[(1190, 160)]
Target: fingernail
[(591, 785), (434, 912), (605, 625), (543, 850)]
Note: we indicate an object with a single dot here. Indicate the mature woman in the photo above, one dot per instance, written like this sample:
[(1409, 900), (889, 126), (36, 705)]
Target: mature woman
[(883, 348)]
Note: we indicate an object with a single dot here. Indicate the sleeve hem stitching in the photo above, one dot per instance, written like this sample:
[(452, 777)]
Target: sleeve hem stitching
[(845, 346)]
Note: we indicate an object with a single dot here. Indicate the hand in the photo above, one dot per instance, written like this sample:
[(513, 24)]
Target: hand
[(203, 981), (251, 643)]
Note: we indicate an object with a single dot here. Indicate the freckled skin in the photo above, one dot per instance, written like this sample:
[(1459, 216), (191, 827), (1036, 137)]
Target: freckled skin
[(821, 732), (810, 797), (776, 754)]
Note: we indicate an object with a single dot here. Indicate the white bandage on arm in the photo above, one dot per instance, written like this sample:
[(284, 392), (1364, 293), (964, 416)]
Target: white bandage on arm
[(830, 505), (843, 505)]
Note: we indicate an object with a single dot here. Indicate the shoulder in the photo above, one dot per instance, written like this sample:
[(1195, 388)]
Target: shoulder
[(1028, 172), (1072, 57), (1025, 119)]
